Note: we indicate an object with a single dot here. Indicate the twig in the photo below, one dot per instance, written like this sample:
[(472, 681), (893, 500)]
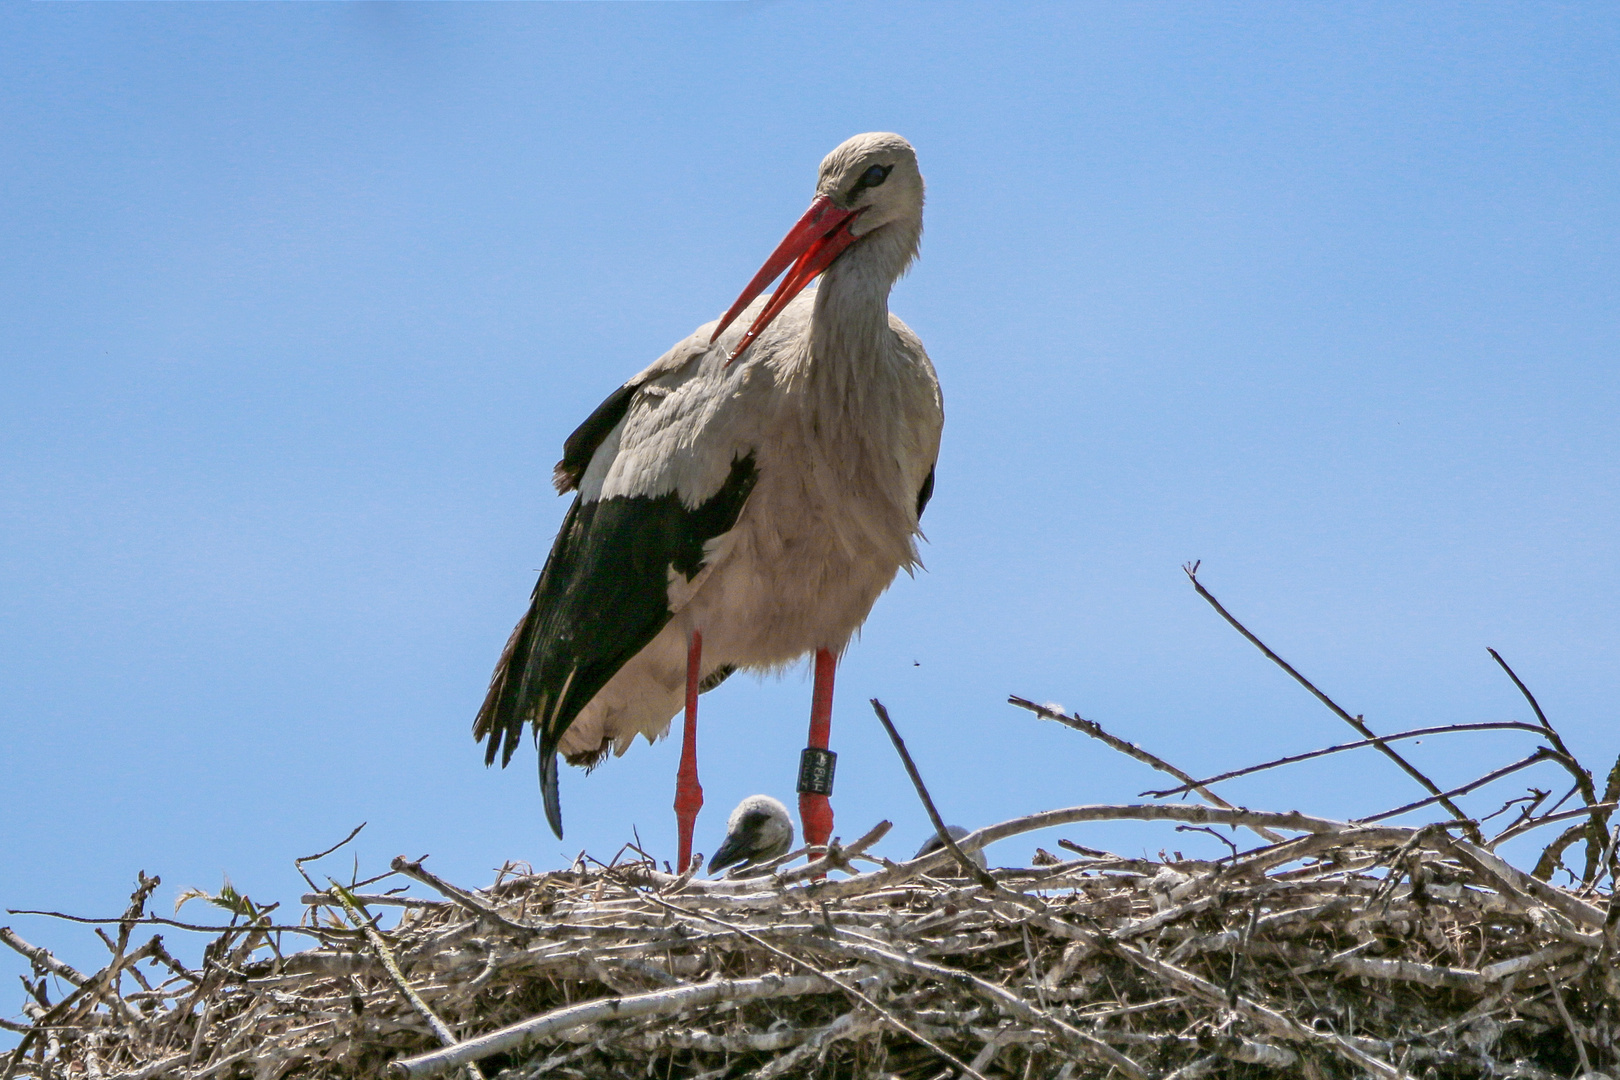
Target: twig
[(1599, 826), (1531, 824), (973, 869), (1356, 722), (847, 988), (1541, 754), (1551, 955), (390, 965), (1293, 759), (1087, 1044), (302, 859), (1129, 749), (655, 1003), (417, 872), (1206, 829), (325, 897), (1552, 856), (1527, 804), (144, 888), (819, 867), (690, 872), (158, 920)]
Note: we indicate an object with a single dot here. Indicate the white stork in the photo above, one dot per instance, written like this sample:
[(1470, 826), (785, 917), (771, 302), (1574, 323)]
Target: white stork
[(741, 503)]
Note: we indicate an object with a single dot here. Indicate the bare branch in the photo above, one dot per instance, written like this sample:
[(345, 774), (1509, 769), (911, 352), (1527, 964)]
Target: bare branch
[(1129, 749), (1541, 754), (1354, 721), (1597, 829), (417, 872), (656, 1003), (973, 869), (1293, 759), (42, 957), (1530, 824)]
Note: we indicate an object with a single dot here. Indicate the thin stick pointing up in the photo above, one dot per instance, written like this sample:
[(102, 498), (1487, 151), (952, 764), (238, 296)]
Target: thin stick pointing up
[(1356, 722), (1130, 749), (974, 870)]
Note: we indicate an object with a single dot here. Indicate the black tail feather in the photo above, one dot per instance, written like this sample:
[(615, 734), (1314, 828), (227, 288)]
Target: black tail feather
[(603, 595), (500, 719), (548, 790)]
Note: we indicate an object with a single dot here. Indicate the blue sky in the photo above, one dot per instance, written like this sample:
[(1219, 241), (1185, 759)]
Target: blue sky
[(297, 303)]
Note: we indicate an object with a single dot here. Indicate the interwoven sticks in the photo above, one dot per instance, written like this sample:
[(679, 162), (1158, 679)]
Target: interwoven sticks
[(1373, 951), (1334, 949)]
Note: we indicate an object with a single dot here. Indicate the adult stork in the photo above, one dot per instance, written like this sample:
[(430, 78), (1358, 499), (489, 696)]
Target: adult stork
[(740, 503)]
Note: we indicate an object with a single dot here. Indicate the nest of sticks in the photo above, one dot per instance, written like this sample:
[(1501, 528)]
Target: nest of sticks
[(1320, 948)]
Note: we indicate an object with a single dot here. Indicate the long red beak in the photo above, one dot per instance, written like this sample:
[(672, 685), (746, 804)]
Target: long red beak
[(810, 247)]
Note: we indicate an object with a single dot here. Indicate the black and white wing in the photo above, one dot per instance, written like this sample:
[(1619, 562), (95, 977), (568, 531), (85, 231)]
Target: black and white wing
[(651, 496)]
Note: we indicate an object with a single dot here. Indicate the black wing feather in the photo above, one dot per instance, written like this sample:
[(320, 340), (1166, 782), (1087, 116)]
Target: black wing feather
[(926, 493), (602, 596), (580, 447)]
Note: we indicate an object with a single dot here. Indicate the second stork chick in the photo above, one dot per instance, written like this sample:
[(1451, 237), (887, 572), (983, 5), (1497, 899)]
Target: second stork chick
[(934, 843)]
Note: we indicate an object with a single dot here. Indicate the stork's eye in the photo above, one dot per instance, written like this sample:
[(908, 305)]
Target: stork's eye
[(871, 178)]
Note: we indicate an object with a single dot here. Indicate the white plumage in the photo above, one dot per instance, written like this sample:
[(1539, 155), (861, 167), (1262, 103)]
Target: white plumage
[(798, 468), (821, 535)]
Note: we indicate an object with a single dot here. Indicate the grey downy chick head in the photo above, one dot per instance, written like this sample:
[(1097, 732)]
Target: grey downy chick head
[(758, 831), (933, 844)]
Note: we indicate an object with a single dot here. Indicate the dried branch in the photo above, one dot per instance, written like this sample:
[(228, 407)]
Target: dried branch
[(1356, 722), (302, 859), (971, 868), (379, 946), (1542, 753), (1531, 824), (1597, 829), (1294, 759), (818, 867), (42, 958), (201, 928), (1130, 749), (657, 1003), (417, 872)]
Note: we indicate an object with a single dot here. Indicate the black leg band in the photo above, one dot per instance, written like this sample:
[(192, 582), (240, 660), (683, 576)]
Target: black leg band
[(816, 771)]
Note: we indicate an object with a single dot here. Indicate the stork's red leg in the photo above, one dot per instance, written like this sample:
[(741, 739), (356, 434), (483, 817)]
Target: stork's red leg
[(815, 810), (688, 792)]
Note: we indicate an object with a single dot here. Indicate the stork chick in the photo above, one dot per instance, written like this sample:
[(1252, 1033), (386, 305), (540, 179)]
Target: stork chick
[(933, 844), (758, 831)]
